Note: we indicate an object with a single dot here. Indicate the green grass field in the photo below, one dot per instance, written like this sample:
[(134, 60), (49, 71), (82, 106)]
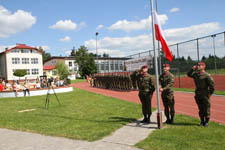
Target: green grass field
[(82, 116), (185, 134), (192, 90), (78, 81)]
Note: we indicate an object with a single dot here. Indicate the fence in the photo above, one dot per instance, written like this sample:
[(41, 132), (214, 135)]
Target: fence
[(210, 49)]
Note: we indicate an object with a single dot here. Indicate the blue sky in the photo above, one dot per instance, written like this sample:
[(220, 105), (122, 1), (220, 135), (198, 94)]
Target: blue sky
[(123, 25)]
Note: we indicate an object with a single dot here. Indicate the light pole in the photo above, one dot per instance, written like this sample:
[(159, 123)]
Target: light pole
[(97, 51), (214, 48)]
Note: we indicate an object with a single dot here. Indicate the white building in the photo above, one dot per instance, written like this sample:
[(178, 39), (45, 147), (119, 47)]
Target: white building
[(104, 64), (21, 57), (69, 61), (110, 64)]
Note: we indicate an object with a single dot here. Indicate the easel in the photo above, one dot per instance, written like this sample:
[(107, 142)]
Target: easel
[(47, 98)]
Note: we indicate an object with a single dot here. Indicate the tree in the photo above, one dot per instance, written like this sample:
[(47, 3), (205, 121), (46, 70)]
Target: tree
[(105, 55), (73, 52), (20, 73), (45, 56), (85, 62), (62, 70)]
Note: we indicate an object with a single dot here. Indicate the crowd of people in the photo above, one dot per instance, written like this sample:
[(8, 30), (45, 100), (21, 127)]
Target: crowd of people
[(26, 84)]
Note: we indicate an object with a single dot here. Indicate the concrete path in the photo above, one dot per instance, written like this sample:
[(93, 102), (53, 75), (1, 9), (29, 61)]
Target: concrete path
[(123, 139)]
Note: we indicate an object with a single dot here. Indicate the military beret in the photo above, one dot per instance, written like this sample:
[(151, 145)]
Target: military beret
[(166, 65), (143, 67), (201, 63)]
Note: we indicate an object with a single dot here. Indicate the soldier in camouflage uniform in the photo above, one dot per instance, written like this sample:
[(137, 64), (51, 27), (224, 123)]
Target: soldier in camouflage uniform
[(166, 81), (133, 77), (204, 89), (146, 90)]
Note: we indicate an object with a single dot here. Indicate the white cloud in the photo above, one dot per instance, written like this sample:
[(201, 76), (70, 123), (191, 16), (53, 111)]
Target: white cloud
[(67, 53), (65, 39), (144, 24), (67, 25), (125, 46), (19, 21), (45, 47), (3, 47), (99, 27), (174, 10)]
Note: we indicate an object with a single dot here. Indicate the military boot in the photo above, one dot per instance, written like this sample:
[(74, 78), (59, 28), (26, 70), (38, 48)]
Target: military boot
[(145, 119), (172, 119), (206, 122), (148, 119), (202, 123), (167, 119)]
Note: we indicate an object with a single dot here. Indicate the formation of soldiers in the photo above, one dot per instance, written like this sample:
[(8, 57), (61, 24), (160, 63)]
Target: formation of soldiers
[(142, 81), (114, 81)]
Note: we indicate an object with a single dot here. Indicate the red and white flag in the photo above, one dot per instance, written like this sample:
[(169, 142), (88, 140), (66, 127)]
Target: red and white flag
[(160, 37)]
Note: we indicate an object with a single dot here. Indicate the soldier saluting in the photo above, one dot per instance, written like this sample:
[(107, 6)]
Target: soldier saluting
[(204, 89), (146, 89), (166, 81)]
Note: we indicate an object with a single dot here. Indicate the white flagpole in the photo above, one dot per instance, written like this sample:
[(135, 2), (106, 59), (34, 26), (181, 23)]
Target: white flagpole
[(159, 113)]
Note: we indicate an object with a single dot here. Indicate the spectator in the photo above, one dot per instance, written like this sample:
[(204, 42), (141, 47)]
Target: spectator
[(14, 87), (1, 86), (26, 88), (38, 86)]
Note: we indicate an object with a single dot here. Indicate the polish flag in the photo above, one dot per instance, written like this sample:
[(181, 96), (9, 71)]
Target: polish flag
[(160, 37)]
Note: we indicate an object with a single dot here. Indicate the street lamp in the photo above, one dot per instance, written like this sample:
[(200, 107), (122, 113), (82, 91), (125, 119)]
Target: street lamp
[(214, 48), (97, 50)]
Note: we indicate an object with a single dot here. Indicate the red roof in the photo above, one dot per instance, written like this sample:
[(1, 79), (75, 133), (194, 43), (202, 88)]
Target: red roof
[(22, 46), (48, 67)]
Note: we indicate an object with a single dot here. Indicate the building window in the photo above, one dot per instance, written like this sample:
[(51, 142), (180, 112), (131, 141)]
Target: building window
[(116, 66), (25, 60), (28, 71), (35, 72), (102, 66), (34, 60), (107, 66), (70, 64), (112, 66), (24, 51), (15, 51), (121, 66), (44, 73), (15, 60)]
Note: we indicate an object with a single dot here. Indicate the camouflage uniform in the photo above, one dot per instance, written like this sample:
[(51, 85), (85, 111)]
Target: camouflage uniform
[(133, 77), (146, 90), (204, 88), (166, 81)]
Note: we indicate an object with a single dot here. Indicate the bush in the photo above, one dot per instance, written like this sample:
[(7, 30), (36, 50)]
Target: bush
[(68, 81)]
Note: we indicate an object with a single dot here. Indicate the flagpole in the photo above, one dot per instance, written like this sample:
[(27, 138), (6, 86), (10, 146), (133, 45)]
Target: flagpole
[(159, 113), (159, 51)]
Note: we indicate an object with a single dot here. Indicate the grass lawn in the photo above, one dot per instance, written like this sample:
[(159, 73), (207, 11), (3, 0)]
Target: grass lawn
[(185, 134), (82, 116), (192, 90), (78, 81)]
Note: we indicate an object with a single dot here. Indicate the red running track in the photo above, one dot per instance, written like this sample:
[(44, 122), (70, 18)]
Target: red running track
[(184, 102)]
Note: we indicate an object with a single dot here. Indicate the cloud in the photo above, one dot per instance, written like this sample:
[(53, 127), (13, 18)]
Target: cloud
[(125, 46), (65, 39), (99, 27), (3, 47), (12, 23), (45, 47), (174, 10), (144, 24), (67, 25)]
